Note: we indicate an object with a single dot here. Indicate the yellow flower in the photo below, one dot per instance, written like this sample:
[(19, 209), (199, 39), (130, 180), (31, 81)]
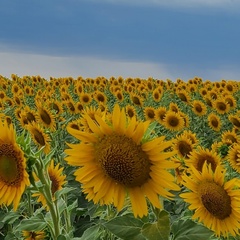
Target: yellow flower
[(214, 201), (199, 156), (234, 157), (39, 235), (149, 113), (214, 122), (57, 181), (173, 121), (39, 137), (114, 162), (183, 145), (199, 108), (13, 174), (45, 116)]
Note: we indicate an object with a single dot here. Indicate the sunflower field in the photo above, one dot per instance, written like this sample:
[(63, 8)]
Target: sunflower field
[(119, 158)]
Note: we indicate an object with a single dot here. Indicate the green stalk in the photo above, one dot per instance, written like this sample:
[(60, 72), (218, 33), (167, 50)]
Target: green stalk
[(44, 178)]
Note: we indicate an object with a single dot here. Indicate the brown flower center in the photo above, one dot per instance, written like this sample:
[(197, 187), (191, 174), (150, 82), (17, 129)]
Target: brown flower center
[(184, 148), (123, 160), (10, 165), (215, 199)]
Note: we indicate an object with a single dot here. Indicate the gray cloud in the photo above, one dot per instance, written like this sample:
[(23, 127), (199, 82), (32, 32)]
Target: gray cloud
[(32, 64)]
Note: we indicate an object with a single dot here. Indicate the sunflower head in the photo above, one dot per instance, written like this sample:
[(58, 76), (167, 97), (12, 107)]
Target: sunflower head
[(116, 159), (149, 113), (173, 121), (34, 235), (230, 137), (13, 174), (213, 200), (214, 122), (199, 108), (199, 156), (221, 106)]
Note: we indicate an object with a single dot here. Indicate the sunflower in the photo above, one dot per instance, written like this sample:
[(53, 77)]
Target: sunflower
[(199, 108), (174, 107), (192, 136), (116, 160), (136, 99), (32, 235), (119, 95), (214, 201), (233, 157), (203, 91), (75, 124), (221, 106), (2, 95), (29, 114), (55, 106), (45, 116), (71, 106), (18, 101), (214, 122), (173, 121), (183, 95), (231, 101), (92, 112), (100, 97), (157, 94), (235, 120), (160, 114), (13, 174), (85, 98), (149, 113), (39, 137), (57, 181), (231, 86), (130, 111), (183, 146), (230, 137), (199, 156)]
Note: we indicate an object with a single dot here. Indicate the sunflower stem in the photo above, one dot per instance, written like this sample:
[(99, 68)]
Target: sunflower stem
[(47, 193)]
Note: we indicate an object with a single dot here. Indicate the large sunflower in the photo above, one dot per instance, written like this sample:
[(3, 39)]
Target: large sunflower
[(13, 174), (215, 202), (116, 160)]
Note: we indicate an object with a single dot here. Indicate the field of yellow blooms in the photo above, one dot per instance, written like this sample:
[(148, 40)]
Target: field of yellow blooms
[(119, 158)]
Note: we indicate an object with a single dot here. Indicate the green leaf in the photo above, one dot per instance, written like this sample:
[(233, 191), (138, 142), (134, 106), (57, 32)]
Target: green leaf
[(63, 191), (149, 131), (91, 233), (188, 230), (126, 227), (160, 229), (11, 217), (32, 224), (61, 237)]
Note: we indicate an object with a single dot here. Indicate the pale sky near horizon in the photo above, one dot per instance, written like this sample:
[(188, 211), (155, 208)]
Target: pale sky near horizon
[(164, 39)]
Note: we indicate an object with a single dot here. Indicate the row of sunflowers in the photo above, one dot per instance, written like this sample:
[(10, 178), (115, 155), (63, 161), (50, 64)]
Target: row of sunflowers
[(119, 158)]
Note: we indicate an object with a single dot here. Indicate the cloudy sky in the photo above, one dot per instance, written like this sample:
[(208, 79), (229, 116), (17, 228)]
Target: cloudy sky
[(164, 39)]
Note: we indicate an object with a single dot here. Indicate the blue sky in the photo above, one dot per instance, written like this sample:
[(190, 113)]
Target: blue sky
[(138, 38)]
